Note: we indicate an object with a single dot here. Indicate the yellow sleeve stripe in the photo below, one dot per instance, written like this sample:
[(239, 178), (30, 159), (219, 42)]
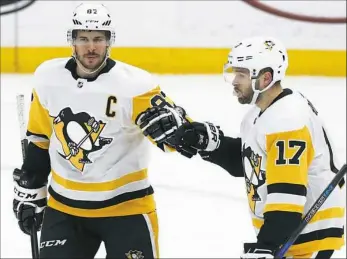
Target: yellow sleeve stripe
[(39, 120), (288, 162), (284, 207), (43, 145), (284, 198), (143, 101)]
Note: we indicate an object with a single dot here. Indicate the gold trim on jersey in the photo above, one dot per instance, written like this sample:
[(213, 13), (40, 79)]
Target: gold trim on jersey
[(153, 218), (142, 205), (143, 101), (320, 215), (283, 207), (42, 145), (305, 256), (327, 243), (257, 223), (155, 226), (330, 243), (282, 198), (39, 122), (328, 214), (100, 186)]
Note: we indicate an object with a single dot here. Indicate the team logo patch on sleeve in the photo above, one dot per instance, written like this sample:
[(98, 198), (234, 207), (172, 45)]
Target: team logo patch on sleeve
[(79, 135)]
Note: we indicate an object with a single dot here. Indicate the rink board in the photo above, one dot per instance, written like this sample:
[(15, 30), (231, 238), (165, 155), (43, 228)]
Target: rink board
[(169, 60)]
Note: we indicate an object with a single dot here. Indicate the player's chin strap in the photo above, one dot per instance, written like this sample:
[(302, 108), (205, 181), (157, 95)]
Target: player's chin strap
[(79, 64), (256, 92)]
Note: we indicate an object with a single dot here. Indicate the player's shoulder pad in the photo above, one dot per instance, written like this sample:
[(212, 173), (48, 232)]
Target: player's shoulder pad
[(52, 66), (47, 72), (138, 80), (287, 114)]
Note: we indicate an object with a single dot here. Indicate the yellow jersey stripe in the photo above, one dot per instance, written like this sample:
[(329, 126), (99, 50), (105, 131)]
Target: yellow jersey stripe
[(257, 223), (136, 206), (328, 214), (42, 145), (321, 215), (99, 187), (330, 243), (305, 256), (283, 207)]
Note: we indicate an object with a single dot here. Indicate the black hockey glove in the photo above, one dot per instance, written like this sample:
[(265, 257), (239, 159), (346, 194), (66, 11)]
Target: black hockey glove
[(159, 123), (30, 200), (257, 251), (202, 137)]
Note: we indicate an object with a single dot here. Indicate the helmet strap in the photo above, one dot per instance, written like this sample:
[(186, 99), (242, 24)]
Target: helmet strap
[(256, 92)]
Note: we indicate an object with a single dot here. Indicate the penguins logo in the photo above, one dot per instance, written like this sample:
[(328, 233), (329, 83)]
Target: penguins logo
[(254, 176), (269, 44), (133, 254), (79, 135)]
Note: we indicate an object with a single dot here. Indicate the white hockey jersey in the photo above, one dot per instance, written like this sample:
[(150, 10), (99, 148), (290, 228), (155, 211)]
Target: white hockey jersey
[(288, 162), (98, 169)]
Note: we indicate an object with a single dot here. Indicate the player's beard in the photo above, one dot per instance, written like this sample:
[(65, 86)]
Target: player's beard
[(245, 95), (97, 62)]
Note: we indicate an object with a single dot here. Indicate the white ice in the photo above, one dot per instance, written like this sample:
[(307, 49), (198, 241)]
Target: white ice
[(202, 209)]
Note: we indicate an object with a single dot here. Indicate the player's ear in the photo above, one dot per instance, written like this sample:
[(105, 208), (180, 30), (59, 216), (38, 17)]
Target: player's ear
[(267, 78)]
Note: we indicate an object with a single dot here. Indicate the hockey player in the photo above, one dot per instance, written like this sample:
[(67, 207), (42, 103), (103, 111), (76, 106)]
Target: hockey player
[(283, 152), (82, 130)]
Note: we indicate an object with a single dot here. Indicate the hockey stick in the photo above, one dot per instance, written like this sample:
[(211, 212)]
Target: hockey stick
[(24, 143), (312, 211)]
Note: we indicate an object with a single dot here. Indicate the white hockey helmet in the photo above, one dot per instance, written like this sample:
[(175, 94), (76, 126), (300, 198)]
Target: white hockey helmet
[(255, 54), (88, 16)]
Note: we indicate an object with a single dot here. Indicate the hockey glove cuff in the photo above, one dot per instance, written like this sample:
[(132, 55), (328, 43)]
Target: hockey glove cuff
[(200, 136), (257, 251), (28, 203)]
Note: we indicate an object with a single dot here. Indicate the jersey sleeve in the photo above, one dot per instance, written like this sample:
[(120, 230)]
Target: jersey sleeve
[(289, 155), (228, 156), (39, 129), (151, 98)]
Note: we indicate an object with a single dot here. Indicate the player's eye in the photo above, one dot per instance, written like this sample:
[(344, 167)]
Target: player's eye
[(81, 41)]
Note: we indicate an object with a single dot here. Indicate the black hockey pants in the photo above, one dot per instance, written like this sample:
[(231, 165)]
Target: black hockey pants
[(67, 236)]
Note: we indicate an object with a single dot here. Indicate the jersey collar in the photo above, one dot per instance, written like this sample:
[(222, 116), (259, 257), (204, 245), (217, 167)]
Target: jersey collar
[(71, 65), (285, 92)]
